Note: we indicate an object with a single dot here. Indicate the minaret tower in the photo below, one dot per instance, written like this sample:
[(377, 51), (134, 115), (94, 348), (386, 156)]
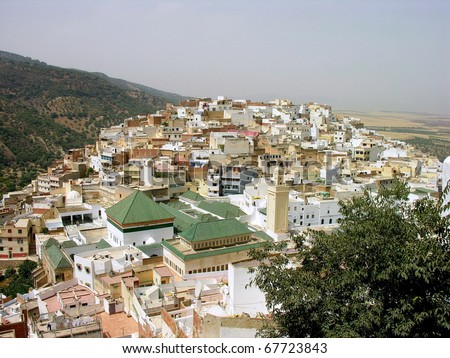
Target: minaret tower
[(277, 203)]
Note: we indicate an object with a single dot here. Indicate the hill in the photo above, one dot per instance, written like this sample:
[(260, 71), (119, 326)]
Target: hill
[(45, 110)]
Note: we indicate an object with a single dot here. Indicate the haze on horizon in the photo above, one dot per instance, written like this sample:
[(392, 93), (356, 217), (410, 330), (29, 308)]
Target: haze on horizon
[(359, 55)]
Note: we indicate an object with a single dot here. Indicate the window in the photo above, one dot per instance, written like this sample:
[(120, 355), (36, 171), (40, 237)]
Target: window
[(79, 267), (87, 269), (20, 241), (331, 221), (9, 239), (21, 249), (1, 241), (20, 231), (9, 231), (322, 221), (1, 248)]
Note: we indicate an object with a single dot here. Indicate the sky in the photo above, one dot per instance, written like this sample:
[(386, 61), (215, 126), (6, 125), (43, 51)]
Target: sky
[(356, 55)]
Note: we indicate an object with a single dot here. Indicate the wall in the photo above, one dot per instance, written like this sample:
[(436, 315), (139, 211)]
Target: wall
[(230, 327), (243, 298), (143, 237), (86, 278)]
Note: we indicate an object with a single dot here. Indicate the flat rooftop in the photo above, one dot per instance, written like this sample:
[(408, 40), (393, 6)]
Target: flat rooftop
[(117, 325), (73, 209), (111, 254), (94, 235)]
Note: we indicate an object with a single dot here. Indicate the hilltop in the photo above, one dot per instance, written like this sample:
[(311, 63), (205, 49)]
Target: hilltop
[(45, 110)]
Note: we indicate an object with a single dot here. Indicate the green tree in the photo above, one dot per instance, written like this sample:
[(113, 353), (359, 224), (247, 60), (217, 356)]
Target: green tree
[(384, 273), (26, 268), (21, 280), (9, 272)]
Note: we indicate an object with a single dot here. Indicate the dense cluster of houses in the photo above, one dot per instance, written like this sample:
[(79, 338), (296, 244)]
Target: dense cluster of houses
[(147, 232)]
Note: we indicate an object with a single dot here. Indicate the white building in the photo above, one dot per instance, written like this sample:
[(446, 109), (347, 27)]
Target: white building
[(244, 298), (317, 210), (114, 259), (138, 220)]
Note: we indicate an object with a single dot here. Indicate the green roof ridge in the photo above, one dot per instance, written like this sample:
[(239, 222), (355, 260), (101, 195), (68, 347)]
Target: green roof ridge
[(137, 208), (51, 242), (57, 257), (208, 230), (222, 209), (103, 244), (190, 195), (206, 253)]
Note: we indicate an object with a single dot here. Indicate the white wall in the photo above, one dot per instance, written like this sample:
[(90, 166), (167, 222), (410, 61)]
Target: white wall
[(242, 298), (144, 237), (85, 277)]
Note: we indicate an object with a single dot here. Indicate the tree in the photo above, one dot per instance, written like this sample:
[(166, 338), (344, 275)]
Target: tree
[(26, 268), (384, 273), (21, 280)]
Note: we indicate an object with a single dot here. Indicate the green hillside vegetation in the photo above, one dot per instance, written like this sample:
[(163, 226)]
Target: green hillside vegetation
[(437, 147), (46, 110)]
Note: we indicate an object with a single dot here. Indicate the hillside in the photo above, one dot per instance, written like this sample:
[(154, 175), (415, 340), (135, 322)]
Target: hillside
[(45, 110)]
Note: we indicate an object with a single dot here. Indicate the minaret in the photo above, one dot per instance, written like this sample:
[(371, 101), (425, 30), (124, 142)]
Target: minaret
[(277, 203)]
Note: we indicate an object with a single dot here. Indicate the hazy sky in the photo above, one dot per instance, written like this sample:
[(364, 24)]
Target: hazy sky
[(370, 55)]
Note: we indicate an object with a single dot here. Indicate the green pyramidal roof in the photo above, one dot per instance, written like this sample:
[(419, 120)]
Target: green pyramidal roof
[(57, 258), (208, 230), (137, 208)]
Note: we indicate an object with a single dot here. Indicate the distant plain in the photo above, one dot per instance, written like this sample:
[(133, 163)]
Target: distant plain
[(403, 125)]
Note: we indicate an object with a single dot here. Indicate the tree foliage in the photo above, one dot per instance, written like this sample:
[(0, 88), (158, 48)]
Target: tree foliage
[(384, 273), (20, 281)]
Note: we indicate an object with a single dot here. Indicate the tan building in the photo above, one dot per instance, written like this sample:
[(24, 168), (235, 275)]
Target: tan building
[(16, 239), (56, 266)]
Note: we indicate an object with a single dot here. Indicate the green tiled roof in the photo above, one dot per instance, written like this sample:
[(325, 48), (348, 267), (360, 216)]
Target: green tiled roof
[(178, 205), (103, 244), (224, 210), (57, 258), (182, 220), (262, 235), (137, 208), (207, 217), (207, 253), (51, 242), (208, 230), (190, 195), (150, 249), (67, 244)]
